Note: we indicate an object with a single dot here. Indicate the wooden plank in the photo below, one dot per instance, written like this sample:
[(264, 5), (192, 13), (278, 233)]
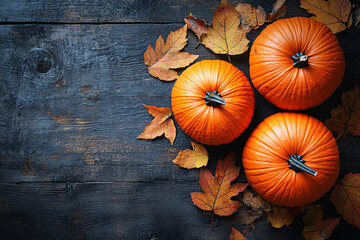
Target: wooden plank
[(136, 210), (68, 11), (78, 120)]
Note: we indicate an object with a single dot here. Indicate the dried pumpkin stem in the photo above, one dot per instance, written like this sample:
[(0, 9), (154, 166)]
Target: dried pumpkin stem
[(213, 99), (300, 60), (297, 164)]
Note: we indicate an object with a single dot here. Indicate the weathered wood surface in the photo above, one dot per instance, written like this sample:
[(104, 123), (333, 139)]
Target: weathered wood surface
[(71, 108)]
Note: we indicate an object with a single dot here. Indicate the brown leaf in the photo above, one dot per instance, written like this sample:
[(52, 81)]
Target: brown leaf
[(167, 56), (250, 16), (345, 119), (245, 216), (356, 15), (278, 11), (236, 235), (256, 202), (198, 26), (161, 124), (327, 227), (312, 223), (346, 198), (226, 36), (217, 190), (333, 13), (280, 216), (192, 158)]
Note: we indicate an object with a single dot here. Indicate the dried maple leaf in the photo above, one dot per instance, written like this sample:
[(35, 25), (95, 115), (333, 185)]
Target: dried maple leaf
[(333, 13), (256, 202), (192, 158), (226, 35), (280, 216), (278, 11), (217, 190), (346, 198), (198, 26), (345, 119), (250, 16), (167, 56), (161, 124), (314, 227), (236, 235)]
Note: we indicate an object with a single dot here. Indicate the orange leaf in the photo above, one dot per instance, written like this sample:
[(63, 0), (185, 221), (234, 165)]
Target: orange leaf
[(161, 124), (345, 119), (278, 11), (217, 190), (250, 16), (236, 235), (333, 13), (256, 202), (198, 26), (226, 36), (312, 223), (167, 56), (192, 158), (346, 198), (280, 216)]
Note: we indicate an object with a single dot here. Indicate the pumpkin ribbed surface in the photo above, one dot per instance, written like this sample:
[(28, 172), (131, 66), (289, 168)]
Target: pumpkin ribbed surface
[(218, 124), (279, 75), (275, 140)]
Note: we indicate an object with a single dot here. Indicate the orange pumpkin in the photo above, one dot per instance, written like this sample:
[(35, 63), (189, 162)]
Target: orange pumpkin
[(213, 102), (291, 159), (296, 63)]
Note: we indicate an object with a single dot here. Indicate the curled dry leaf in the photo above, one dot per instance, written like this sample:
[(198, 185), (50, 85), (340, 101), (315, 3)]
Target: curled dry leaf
[(314, 227), (280, 216), (278, 11), (346, 198), (198, 26), (345, 119), (161, 124), (218, 190), (167, 56), (192, 158), (250, 16), (256, 202), (333, 13), (236, 235), (356, 15), (226, 35)]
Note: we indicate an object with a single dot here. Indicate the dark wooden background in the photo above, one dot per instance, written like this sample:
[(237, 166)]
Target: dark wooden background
[(71, 107)]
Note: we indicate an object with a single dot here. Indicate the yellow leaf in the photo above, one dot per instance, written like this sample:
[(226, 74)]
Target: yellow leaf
[(280, 216), (333, 13), (167, 56), (192, 158), (236, 235), (226, 36)]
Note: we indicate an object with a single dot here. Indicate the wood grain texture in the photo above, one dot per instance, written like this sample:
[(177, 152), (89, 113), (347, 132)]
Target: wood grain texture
[(71, 106)]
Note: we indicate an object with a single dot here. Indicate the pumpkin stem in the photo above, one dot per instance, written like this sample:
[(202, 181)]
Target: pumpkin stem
[(297, 164), (300, 60), (213, 99)]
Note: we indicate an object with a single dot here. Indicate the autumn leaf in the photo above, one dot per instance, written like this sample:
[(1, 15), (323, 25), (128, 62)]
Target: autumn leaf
[(167, 56), (356, 15), (218, 190), (333, 13), (255, 201), (345, 119), (161, 124), (250, 16), (192, 158), (280, 216), (278, 11), (198, 26), (346, 198), (246, 216), (312, 223), (314, 227), (236, 235), (226, 35)]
